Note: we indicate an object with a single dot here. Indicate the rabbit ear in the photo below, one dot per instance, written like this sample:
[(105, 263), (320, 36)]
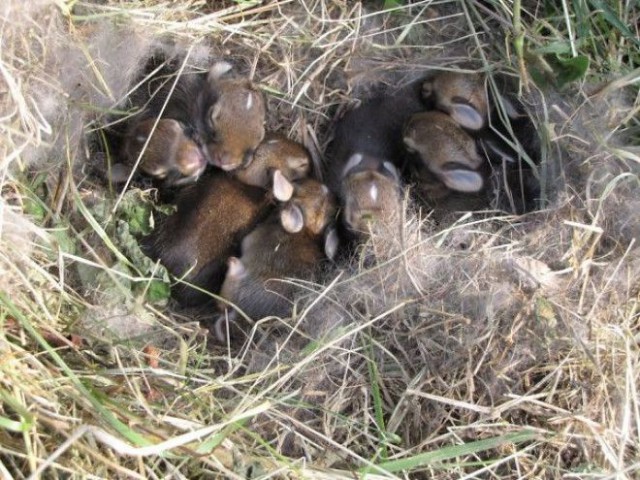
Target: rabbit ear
[(467, 116), (462, 180), (392, 170), (214, 112), (493, 148), (282, 188), (235, 268), (292, 219), (331, 242), (217, 70), (353, 162), (221, 325), (410, 143), (510, 107)]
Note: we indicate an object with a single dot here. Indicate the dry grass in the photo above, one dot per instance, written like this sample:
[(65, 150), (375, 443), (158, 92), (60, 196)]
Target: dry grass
[(485, 347)]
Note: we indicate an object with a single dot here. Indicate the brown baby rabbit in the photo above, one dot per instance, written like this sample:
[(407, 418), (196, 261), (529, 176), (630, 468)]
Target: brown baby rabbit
[(310, 206), (276, 152), (212, 218), (445, 149), (169, 155), (234, 118), (460, 95), (293, 245)]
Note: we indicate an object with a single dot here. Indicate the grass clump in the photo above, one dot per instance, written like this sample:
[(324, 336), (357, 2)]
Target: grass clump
[(480, 346)]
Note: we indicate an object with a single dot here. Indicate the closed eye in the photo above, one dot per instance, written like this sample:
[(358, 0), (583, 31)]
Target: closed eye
[(190, 131), (247, 158), (455, 166)]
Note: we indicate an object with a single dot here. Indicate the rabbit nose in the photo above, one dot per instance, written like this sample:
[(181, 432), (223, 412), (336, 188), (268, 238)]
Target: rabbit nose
[(192, 163), (226, 162)]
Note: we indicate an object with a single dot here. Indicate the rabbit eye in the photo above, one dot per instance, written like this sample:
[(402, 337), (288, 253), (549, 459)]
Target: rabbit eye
[(247, 158), (427, 89), (189, 131)]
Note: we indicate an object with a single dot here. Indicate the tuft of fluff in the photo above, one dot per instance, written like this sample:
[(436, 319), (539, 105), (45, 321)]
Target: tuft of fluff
[(61, 84), (19, 240), (74, 81), (597, 158)]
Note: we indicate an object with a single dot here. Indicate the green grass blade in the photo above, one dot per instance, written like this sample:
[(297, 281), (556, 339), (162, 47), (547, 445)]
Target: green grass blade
[(612, 18), (374, 378), (417, 461), (106, 414)]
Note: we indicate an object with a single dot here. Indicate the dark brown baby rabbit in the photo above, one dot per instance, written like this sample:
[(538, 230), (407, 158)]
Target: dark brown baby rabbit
[(169, 155), (364, 156), (212, 116), (292, 245), (212, 218)]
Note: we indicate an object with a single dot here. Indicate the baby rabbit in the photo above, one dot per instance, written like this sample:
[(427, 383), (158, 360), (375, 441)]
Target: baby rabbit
[(370, 191), (364, 155), (170, 155), (212, 218), (234, 117), (311, 207), (503, 132), (445, 149), (276, 152), (211, 116), (463, 97), (294, 245), (460, 95)]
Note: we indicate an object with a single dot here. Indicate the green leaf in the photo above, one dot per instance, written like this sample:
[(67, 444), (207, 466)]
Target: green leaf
[(539, 69), (212, 443), (569, 69), (132, 219), (559, 47), (26, 418), (94, 216), (158, 292), (556, 70), (135, 208), (34, 207), (581, 12), (389, 4), (13, 425)]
